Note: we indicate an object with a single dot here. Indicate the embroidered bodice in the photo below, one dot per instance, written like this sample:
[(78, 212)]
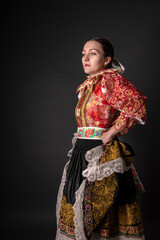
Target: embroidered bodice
[(108, 98)]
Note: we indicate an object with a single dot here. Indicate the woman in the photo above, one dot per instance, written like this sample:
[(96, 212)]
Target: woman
[(98, 198)]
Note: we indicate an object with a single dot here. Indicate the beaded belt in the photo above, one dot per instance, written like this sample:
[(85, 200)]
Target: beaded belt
[(90, 132)]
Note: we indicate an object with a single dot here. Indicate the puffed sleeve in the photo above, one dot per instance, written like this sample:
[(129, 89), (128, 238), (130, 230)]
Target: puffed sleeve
[(122, 95)]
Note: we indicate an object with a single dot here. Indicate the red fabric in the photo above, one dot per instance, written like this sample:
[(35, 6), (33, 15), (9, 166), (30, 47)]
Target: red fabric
[(114, 100)]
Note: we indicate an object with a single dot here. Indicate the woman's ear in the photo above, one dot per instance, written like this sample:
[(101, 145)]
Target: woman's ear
[(107, 61)]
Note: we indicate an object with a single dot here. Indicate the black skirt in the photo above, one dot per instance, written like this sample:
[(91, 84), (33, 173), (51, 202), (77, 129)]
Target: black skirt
[(77, 164)]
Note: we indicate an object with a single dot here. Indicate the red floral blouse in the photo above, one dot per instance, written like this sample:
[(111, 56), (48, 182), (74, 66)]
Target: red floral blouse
[(110, 99)]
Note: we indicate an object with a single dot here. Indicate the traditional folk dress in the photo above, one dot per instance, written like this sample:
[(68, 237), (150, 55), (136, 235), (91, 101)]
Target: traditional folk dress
[(98, 194)]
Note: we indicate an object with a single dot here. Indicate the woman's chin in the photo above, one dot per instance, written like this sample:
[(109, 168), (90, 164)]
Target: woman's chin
[(87, 72)]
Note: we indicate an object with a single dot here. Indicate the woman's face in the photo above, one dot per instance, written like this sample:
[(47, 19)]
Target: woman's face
[(93, 58)]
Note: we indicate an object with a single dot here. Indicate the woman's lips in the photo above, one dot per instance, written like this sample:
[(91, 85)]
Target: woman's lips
[(86, 65)]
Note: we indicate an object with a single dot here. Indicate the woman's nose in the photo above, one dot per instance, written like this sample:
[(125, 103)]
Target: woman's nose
[(86, 57)]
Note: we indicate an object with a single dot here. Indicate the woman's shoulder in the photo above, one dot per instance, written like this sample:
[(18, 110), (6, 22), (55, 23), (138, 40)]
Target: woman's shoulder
[(113, 81), (111, 78)]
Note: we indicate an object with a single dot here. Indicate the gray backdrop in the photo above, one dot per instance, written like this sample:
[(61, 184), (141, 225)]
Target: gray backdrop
[(41, 71)]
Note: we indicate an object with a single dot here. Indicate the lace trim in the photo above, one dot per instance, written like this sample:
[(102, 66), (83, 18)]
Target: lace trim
[(61, 236), (74, 139), (93, 155), (60, 192), (78, 218), (96, 236), (97, 172), (105, 170), (78, 210)]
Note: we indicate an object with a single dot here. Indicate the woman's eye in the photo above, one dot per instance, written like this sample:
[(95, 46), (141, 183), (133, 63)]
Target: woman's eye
[(83, 54), (93, 53)]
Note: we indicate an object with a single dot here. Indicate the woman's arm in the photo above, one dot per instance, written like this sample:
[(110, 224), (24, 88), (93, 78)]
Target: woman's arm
[(108, 136), (125, 97)]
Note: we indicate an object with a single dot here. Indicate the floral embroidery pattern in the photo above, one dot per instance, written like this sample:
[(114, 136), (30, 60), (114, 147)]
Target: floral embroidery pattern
[(109, 98), (88, 212), (98, 197), (92, 132), (115, 220), (66, 223)]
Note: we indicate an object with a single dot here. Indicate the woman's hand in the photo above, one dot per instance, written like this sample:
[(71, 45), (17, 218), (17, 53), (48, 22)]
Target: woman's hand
[(108, 136)]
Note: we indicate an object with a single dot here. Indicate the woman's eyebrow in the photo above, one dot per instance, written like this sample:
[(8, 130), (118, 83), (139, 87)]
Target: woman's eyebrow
[(91, 49)]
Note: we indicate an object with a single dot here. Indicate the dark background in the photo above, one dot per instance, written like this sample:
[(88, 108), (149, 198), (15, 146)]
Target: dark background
[(41, 66)]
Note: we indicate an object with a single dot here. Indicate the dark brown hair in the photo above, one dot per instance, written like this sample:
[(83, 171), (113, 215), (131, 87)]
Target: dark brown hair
[(107, 48)]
